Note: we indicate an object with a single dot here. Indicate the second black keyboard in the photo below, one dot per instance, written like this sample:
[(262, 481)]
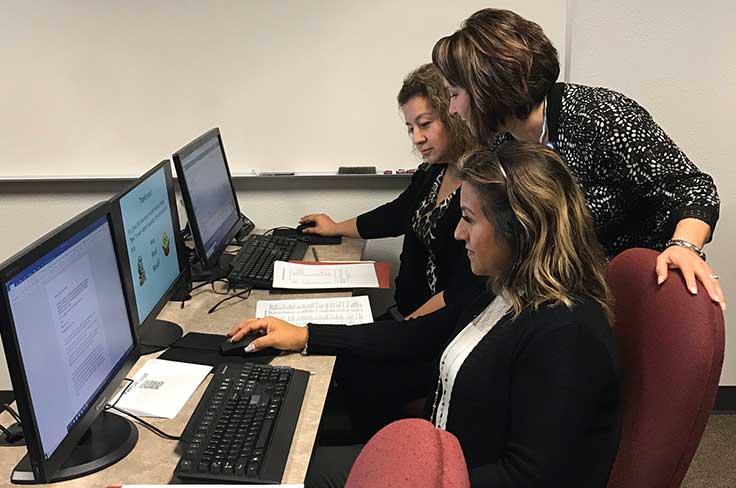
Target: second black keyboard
[(241, 431), (253, 265)]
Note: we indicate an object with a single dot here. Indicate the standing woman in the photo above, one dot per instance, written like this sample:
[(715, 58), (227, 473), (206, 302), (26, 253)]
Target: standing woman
[(434, 266), (642, 190)]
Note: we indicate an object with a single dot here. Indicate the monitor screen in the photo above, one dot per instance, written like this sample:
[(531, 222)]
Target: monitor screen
[(206, 176), (72, 328), (150, 239)]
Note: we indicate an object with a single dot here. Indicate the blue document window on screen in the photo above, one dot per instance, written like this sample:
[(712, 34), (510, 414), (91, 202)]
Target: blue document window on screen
[(212, 197), (72, 328), (150, 239)]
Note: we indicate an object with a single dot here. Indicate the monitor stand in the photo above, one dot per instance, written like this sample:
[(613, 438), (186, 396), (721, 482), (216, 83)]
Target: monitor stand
[(157, 335), (109, 439), (218, 271)]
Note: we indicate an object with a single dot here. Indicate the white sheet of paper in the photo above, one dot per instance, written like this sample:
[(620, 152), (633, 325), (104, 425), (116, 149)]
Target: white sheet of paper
[(307, 276), (347, 310), (161, 388)]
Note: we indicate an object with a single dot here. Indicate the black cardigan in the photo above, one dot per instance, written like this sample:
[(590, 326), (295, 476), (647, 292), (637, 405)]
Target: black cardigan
[(536, 403), (393, 219)]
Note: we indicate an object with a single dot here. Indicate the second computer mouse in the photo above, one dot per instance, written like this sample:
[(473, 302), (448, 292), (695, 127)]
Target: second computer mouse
[(306, 225), (238, 348)]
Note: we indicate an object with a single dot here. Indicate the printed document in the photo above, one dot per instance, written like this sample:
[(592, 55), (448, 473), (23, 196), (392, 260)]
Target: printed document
[(348, 310), (307, 276), (161, 388)]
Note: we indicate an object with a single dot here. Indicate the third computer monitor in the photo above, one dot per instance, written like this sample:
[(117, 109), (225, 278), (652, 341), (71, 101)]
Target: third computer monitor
[(209, 196), (146, 221)]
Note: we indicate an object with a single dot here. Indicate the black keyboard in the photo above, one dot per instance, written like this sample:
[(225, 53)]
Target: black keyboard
[(253, 265), (241, 430)]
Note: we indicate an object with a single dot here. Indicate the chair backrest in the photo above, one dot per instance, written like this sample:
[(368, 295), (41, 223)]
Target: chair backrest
[(671, 347), (410, 452)]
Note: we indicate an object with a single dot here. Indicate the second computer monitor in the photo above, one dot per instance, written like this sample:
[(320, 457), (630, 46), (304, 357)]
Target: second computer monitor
[(146, 226), (209, 196)]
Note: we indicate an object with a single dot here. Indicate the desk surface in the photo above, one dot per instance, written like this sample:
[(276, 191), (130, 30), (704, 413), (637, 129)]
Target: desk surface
[(153, 459)]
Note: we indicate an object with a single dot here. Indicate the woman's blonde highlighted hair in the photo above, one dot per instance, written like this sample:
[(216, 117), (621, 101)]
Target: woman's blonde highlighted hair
[(538, 209), (426, 81)]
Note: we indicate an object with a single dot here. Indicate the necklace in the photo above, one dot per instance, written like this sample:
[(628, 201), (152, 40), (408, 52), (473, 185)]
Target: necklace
[(544, 121)]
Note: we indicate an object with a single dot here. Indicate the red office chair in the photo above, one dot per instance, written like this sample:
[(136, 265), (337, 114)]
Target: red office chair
[(671, 348), (410, 452)]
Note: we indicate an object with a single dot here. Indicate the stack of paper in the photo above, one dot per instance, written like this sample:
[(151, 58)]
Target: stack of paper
[(161, 388), (348, 310)]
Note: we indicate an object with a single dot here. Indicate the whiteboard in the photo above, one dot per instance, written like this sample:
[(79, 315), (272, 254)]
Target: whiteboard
[(102, 88)]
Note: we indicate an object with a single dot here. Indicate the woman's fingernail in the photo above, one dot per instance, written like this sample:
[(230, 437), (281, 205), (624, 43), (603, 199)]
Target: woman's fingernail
[(250, 347), (694, 290), (230, 340), (723, 306), (660, 279)]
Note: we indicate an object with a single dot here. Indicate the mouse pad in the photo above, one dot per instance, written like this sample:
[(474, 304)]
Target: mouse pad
[(312, 239), (199, 348)]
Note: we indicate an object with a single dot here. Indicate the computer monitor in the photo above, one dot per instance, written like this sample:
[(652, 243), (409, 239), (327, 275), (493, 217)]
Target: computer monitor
[(69, 342), (210, 200), (146, 231)]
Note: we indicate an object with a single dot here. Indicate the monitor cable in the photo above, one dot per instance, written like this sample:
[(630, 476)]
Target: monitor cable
[(142, 422), (13, 434)]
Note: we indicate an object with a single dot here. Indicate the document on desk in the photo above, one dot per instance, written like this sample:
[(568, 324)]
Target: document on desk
[(347, 310), (307, 276), (161, 388)]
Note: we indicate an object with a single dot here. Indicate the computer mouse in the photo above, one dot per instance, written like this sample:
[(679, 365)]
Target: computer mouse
[(306, 225), (238, 348)]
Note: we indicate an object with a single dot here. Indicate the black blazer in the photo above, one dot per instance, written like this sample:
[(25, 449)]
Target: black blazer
[(393, 219), (535, 404)]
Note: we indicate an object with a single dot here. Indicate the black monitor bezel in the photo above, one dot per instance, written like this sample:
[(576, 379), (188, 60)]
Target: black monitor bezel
[(44, 469), (122, 248), (186, 196)]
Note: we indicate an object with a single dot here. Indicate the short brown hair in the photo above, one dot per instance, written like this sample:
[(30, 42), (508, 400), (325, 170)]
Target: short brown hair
[(539, 211), (505, 62), (426, 81)]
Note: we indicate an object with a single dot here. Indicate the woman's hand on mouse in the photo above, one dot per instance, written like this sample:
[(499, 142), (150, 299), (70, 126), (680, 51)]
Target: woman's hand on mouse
[(323, 225), (275, 332)]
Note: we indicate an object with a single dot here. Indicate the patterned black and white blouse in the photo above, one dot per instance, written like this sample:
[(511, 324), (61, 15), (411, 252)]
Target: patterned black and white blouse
[(424, 223), (636, 180)]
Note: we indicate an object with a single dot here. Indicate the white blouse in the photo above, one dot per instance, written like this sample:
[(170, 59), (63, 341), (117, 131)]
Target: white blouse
[(459, 349)]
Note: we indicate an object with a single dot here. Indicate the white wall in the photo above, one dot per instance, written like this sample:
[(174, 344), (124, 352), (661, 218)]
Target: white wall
[(293, 84), (677, 58)]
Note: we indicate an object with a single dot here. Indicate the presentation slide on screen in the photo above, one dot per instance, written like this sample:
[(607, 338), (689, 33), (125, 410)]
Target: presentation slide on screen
[(149, 235)]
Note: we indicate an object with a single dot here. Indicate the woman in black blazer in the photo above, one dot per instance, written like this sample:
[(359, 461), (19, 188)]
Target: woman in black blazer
[(526, 373), (433, 265)]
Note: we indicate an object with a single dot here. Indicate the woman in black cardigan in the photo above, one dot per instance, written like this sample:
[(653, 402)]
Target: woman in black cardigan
[(433, 265), (642, 190), (527, 378)]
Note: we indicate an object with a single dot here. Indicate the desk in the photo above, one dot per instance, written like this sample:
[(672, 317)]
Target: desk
[(153, 459)]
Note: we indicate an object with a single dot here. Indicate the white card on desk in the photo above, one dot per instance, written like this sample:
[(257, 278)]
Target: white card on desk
[(161, 388), (307, 276), (345, 310)]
